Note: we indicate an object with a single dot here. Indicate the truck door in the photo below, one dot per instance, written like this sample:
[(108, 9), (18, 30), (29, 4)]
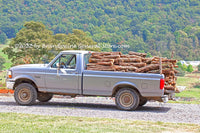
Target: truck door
[(65, 78)]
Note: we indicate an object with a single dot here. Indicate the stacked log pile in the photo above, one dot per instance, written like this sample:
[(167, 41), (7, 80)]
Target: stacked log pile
[(135, 62)]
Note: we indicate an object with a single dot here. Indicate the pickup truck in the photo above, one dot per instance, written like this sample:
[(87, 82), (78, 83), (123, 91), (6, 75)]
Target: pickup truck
[(67, 74)]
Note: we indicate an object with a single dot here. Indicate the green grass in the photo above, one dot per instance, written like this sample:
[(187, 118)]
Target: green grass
[(192, 92), (23, 123), (8, 63)]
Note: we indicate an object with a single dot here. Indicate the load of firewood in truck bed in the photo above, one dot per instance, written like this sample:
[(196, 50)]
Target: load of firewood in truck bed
[(135, 62)]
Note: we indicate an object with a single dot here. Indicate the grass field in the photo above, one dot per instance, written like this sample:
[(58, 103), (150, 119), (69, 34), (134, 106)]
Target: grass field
[(192, 92), (23, 123)]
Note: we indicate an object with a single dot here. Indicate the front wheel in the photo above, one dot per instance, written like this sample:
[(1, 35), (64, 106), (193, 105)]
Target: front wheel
[(44, 97), (127, 99), (25, 94)]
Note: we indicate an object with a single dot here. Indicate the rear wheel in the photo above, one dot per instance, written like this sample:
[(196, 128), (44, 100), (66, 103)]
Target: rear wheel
[(25, 94), (44, 97), (127, 99), (143, 101)]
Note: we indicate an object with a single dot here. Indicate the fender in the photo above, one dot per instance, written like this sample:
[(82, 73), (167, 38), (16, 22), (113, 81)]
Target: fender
[(25, 77), (123, 83)]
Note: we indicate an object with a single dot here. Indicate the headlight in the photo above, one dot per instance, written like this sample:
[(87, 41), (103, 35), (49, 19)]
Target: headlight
[(9, 74)]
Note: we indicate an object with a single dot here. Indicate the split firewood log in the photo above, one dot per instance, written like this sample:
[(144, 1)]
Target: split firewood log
[(148, 68), (93, 60), (121, 60), (169, 88), (130, 68), (110, 63), (169, 65), (138, 54), (133, 64), (154, 62), (175, 71), (155, 58), (112, 56), (130, 56), (167, 71), (101, 68), (175, 66), (166, 79), (97, 56), (154, 71), (91, 64), (147, 60), (170, 60)]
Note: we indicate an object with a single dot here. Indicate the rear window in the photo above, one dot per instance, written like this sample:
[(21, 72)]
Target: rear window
[(86, 60)]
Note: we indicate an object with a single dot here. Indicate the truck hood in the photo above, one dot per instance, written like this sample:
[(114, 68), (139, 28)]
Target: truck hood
[(30, 66)]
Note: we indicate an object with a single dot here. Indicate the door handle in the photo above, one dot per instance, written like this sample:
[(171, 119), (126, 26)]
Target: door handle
[(72, 72)]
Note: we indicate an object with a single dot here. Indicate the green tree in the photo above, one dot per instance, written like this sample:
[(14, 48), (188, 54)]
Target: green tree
[(30, 44), (114, 22), (34, 43), (2, 61), (190, 68), (81, 41)]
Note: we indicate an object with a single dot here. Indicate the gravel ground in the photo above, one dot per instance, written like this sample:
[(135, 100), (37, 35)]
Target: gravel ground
[(105, 108)]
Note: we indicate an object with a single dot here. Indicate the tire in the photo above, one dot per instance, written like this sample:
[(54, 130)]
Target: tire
[(127, 99), (143, 101), (44, 97), (25, 94)]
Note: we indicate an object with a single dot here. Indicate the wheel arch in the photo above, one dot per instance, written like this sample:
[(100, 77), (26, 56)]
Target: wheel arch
[(25, 80), (121, 85)]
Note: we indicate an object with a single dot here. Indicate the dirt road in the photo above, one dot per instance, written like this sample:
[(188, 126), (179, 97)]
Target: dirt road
[(105, 108)]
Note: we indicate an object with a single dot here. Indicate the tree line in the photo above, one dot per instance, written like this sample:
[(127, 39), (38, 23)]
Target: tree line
[(161, 27)]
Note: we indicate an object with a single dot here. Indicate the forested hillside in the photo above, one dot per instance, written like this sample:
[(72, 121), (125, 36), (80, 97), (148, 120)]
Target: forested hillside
[(156, 26)]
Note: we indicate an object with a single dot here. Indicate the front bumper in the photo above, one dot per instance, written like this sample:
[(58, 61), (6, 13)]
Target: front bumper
[(10, 84)]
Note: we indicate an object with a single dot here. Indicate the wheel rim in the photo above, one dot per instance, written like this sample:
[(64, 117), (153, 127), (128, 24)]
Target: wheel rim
[(24, 95), (126, 99)]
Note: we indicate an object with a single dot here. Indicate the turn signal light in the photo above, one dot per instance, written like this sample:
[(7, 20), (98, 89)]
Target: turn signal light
[(162, 83), (10, 74)]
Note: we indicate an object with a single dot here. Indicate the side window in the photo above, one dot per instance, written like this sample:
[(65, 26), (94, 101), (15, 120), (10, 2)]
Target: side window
[(66, 61), (86, 60)]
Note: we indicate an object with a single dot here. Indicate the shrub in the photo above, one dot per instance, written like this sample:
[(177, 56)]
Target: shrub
[(198, 67), (184, 67), (190, 68)]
